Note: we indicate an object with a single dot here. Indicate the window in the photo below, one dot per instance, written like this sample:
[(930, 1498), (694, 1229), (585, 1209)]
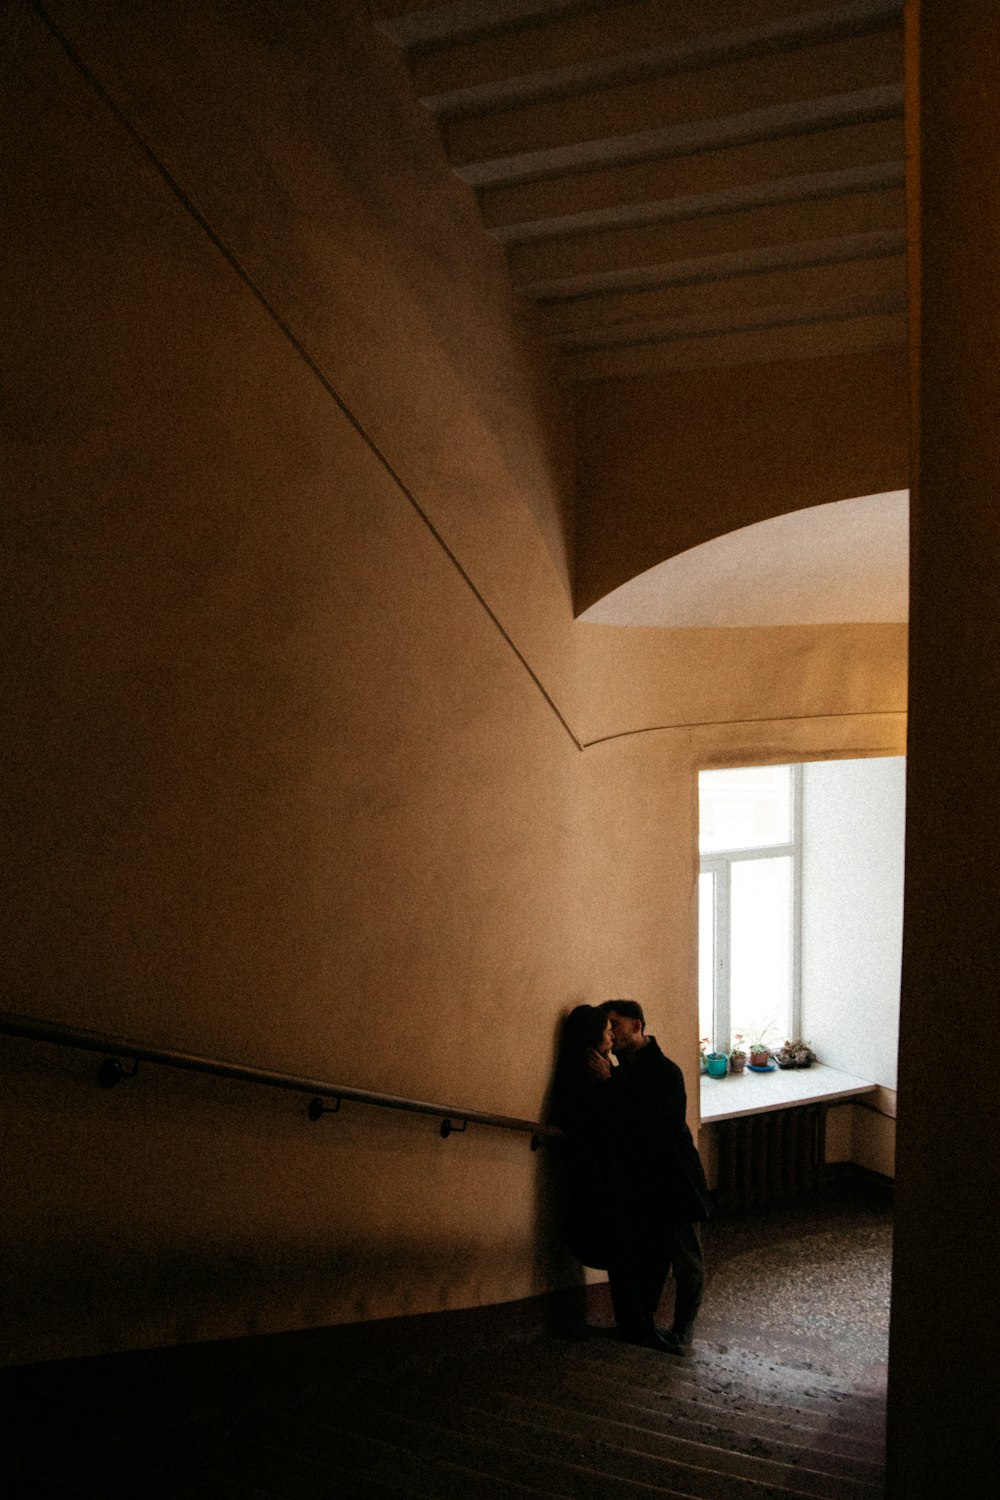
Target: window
[(749, 834), (801, 908)]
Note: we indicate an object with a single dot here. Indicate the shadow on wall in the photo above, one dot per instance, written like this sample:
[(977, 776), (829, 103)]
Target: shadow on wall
[(180, 1209), (230, 1279), (555, 1268)]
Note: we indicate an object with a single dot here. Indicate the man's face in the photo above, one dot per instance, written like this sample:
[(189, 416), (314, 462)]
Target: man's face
[(626, 1034)]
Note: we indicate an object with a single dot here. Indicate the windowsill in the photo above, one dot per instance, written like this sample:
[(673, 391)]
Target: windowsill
[(755, 1093)]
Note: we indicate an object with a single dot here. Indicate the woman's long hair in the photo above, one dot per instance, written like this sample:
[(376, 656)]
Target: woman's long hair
[(582, 1030)]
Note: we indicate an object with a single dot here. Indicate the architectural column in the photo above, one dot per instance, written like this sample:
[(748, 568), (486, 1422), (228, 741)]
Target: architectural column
[(946, 1308)]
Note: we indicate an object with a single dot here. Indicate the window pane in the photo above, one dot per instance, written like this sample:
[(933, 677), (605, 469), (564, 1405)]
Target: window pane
[(746, 808), (761, 953), (706, 955)]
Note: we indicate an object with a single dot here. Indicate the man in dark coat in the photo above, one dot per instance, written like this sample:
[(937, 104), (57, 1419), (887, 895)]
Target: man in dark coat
[(664, 1184)]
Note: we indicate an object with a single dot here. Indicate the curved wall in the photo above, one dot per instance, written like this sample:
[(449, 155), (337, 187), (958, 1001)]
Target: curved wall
[(669, 462), (300, 738)]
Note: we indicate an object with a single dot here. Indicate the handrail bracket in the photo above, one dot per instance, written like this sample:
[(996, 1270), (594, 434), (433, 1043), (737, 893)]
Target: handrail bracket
[(112, 1070), (318, 1108)]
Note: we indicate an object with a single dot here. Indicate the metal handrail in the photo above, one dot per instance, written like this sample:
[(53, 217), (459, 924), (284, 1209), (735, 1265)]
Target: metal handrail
[(115, 1048)]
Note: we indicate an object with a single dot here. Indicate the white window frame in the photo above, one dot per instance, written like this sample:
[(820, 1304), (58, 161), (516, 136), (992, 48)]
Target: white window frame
[(719, 864)]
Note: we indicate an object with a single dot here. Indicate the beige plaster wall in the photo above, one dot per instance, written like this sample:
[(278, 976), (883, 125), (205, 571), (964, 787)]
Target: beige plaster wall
[(873, 1139), (280, 790), (865, 1134), (295, 704), (668, 462)]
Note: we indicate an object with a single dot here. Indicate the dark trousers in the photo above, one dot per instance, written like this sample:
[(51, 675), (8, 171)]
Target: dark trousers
[(642, 1261)]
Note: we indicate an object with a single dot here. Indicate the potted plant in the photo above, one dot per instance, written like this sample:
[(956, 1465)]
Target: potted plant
[(795, 1054), (704, 1046), (717, 1062), (738, 1056), (760, 1052)]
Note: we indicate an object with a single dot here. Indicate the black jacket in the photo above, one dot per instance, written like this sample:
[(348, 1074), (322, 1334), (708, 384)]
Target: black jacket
[(662, 1164), (592, 1207)]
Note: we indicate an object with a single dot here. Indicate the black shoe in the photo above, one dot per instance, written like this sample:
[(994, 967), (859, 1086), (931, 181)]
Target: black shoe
[(645, 1338), (675, 1343)]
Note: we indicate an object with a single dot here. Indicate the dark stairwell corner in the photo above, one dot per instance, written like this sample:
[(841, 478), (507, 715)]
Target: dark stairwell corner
[(784, 1395)]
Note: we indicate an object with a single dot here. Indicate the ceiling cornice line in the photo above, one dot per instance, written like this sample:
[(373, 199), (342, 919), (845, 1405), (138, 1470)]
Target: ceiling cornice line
[(624, 734)]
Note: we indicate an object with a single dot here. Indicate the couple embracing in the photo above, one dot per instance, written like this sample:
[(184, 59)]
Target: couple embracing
[(636, 1187)]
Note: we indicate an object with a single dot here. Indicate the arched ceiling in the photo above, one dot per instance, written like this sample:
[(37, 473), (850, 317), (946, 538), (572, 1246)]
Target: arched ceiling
[(678, 183), (844, 563), (685, 190)]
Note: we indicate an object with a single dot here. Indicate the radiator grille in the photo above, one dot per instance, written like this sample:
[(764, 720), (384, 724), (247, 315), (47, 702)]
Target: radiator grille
[(771, 1157)]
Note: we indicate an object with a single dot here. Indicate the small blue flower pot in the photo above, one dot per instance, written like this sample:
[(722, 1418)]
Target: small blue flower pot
[(717, 1062)]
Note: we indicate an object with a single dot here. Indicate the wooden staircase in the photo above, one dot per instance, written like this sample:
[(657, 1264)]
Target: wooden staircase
[(783, 1396), (548, 1416), (593, 1419)]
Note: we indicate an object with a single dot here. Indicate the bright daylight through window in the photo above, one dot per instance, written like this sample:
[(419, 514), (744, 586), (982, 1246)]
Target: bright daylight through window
[(749, 834)]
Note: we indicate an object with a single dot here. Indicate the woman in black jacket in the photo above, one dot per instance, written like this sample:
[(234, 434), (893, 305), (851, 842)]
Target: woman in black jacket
[(583, 1108)]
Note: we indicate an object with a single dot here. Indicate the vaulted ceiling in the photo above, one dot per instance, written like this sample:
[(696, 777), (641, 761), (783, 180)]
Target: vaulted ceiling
[(678, 183), (688, 184), (837, 564)]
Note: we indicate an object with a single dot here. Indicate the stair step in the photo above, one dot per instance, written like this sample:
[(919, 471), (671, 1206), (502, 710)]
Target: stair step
[(639, 1389), (436, 1464), (371, 1449), (686, 1383), (700, 1466), (806, 1375), (584, 1466), (758, 1383), (762, 1370), (650, 1433), (630, 1407), (581, 1470)]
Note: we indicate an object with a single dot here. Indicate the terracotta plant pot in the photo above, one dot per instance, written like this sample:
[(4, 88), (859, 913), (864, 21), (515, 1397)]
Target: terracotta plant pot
[(759, 1059)]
